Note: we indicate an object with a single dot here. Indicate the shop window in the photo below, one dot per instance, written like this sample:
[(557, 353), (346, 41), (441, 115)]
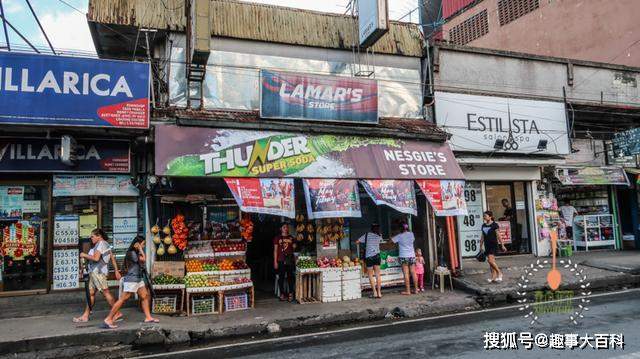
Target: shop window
[(470, 29), (508, 202), (510, 10), (24, 227)]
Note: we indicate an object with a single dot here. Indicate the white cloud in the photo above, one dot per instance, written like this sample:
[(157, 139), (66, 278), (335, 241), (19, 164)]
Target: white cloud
[(67, 30), (11, 6)]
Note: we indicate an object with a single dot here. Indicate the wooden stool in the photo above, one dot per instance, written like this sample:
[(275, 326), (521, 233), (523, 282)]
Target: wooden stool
[(441, 272)]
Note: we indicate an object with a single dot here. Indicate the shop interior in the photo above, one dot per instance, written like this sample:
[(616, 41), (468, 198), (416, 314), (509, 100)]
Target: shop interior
[(509, 203)]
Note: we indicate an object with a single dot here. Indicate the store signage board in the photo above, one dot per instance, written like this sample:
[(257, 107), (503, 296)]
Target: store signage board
[(470, 225), (194, 152), (504, 231), (331, 198), (295, 96), (273, 196), (627, 143), (396, 194), (66, 268), (446, 197), (476, 122), (93, 185), (373, 21), (72, 91), (65, 230), (43, 155), (611, 175)]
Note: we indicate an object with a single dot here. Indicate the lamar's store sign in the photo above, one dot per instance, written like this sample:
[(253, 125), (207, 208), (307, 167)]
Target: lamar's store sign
[(189, 151)]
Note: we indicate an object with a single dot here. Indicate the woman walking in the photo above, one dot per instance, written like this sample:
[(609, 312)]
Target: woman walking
[(132, 284), (491, 239), (407, 258)]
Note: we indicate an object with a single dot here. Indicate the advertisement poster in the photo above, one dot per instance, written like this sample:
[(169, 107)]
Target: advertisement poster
[(331, 198), (11, 202), (65, 269), (446, 197), (396, 194), (65, 231), (193, 152), (90, 185), (264, 195), (87, 223), (612, 175), (286, 95), (43, 155), (31, 206), (504, 231), (19, 240), (74, 91), (470, 224), (476, 122)]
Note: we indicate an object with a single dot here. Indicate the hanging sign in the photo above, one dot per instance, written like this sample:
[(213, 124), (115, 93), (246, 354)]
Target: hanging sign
[(612, 175), (308, 97), (73, 91), (66, 264), (65, 231), (264, 195), (93, 185), (446, 197), (193, 152), (626, 143), (43, 155), (396, 194), (11, 198), (470, 224), (504, 231), (87, 223), (331, 198)]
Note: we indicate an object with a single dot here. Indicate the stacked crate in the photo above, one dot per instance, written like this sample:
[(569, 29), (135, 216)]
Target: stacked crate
[(350, 283), (331, 285)]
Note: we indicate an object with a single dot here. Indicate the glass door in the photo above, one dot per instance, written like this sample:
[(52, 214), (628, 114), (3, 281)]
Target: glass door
[(24, 237), (508, 202)]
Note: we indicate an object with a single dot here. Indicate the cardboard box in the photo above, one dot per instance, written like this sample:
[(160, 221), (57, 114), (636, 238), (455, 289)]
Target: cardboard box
[(175, 269)]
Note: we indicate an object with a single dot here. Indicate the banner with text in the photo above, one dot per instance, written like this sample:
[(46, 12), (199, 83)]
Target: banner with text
[(446, 197), (396, 194), (316, 97), (331, 198), (93, 185), (73, 91), (264, 195), (192, 152)]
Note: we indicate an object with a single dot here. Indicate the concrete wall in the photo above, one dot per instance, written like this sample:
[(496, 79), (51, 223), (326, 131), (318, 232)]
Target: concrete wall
[(593, 30), (467, 70)]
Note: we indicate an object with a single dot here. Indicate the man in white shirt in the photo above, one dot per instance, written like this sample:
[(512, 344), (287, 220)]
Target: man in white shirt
[(568, 212), (371, 241)]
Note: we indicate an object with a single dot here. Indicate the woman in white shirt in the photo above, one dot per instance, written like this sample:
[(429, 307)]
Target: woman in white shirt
[(407, 257)]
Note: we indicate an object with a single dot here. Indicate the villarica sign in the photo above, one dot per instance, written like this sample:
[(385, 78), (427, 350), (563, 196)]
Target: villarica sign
[(318, 98)]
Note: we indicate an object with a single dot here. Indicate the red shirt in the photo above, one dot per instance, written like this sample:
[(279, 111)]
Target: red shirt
[(285, 247)]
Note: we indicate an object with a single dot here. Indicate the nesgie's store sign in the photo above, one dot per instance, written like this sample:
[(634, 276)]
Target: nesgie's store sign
[(56, 90)]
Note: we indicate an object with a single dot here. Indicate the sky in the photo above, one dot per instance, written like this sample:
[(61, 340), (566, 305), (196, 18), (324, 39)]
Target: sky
[(69, 33)]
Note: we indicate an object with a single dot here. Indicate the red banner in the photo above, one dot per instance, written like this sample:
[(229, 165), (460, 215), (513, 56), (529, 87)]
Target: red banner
[(332, 198), (264, 195), (446, 197), (396, 194)]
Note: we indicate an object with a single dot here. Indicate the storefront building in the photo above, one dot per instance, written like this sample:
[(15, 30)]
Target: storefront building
[(61, 177)]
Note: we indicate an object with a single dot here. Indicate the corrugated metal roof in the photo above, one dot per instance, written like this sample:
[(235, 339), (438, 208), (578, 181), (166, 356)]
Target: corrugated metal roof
[(258, 22)]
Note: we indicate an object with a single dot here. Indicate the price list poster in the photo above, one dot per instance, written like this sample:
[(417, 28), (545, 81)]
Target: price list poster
[(66, 263)]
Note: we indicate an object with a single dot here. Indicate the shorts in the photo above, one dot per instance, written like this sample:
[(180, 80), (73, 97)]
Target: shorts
[(408, 260), (490, 248), (98, 281), (132, 287), (372, 261)]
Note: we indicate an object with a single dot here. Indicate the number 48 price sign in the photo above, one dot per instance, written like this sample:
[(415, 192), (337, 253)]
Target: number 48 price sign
[(469, 226)]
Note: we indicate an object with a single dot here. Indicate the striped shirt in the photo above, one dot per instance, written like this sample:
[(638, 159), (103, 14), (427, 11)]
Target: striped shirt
[(373, 244)]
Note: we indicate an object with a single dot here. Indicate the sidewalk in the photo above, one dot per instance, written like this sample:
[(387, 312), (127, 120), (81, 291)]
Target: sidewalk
[(604, 270), (52, 334)]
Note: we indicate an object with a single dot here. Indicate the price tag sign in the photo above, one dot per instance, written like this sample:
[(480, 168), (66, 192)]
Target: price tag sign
[(470, 226), (66, 264), (65, 231)]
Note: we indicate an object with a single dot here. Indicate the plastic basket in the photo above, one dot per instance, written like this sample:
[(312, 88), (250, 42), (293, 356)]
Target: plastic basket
[(238, 301), (165, 304), (203, 305)]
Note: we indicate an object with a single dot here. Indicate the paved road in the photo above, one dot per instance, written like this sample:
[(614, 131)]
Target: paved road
[(460, 336)]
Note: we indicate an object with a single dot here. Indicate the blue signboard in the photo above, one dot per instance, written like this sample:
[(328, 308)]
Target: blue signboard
[(43, 155), (71, 91), (318, 98)]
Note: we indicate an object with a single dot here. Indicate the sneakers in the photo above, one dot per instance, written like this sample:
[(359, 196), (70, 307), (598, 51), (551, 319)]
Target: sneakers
[(499, 279), (490, 280)]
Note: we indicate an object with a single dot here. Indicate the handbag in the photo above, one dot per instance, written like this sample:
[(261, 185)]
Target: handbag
[(481, 257)]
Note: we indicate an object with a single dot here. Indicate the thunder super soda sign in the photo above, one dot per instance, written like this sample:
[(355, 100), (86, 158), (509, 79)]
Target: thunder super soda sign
[(318, 98), (70, 91)]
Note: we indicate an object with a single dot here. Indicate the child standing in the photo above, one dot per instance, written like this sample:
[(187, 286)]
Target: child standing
[(420, 269)]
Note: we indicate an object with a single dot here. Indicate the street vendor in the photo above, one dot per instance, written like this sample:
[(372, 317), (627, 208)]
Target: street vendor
[(283, 262)]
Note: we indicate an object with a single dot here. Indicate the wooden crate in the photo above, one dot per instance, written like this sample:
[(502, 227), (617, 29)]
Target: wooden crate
[(308, 287)]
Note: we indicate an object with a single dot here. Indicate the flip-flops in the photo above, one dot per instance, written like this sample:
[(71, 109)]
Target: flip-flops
[(78, 320), (107, 326), (151, 321)]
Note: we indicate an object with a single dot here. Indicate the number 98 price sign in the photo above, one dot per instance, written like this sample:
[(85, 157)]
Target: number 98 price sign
[(469, 226)]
